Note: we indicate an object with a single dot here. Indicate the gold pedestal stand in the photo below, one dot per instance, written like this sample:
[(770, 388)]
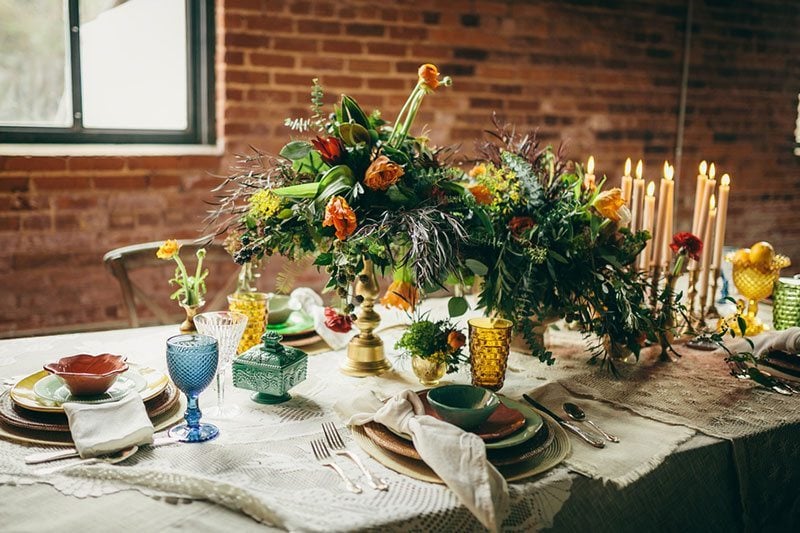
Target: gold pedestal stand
[(365, 355)]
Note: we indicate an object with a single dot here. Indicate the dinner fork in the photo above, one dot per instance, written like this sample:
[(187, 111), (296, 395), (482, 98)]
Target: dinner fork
[(324, 457), (337, 445)]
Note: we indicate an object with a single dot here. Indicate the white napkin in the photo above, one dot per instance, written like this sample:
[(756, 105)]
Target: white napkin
[(312, 304), (784, 341), (458, 457), (100, 429)]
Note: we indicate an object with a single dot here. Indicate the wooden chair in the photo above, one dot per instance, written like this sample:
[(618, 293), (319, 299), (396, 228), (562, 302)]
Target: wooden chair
[(122, 262)]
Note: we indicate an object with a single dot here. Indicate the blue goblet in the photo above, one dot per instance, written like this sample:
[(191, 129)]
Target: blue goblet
[(192, 362)]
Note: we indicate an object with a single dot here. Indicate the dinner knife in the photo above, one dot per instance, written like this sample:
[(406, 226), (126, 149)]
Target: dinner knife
[(597, 443), (46, 457)]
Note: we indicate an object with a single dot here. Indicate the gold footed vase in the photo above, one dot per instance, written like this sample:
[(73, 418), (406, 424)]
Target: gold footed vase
[(365, 355), (428, 370), (187, 326)]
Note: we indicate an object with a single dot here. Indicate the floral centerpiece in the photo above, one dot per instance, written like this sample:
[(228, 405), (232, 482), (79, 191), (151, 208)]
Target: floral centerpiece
[(558, 247), (358, 192)]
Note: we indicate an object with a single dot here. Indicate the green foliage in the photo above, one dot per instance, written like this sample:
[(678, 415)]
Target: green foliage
[(432, 340)]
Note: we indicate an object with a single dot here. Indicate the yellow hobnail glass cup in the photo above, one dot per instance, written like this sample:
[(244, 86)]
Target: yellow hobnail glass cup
[(489, 340), (756, 283), (254, 306)]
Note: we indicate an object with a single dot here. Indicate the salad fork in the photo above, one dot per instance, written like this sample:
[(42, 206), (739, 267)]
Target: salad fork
[(324, 457), (337, 445), (742, 371)]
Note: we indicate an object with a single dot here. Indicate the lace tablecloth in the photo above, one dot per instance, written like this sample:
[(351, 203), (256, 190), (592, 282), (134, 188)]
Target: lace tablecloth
[(262, 464)]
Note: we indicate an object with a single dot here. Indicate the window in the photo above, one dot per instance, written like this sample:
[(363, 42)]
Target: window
[(107, 71)]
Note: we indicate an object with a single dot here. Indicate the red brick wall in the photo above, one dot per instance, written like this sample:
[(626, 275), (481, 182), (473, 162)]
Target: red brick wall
[(604, 79)]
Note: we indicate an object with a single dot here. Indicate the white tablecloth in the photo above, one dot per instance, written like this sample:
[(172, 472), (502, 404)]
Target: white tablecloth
[(262, 466)]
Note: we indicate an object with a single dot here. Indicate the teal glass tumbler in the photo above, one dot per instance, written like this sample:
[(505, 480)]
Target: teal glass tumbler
[(192, 361)]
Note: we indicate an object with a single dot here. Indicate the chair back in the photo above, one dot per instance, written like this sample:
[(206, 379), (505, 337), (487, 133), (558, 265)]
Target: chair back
[(124, 262)]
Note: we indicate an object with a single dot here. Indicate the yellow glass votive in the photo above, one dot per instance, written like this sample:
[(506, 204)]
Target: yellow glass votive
[(254, 306), (489, 339)]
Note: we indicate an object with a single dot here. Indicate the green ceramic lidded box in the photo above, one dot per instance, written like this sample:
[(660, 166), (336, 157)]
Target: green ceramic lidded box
[(270, 369)]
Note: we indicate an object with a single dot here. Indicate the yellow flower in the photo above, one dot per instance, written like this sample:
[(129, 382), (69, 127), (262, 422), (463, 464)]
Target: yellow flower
[(611, 205), (477, 170), (264, 203), (168, 250), (382, 174), (340, 215), (402, 295)]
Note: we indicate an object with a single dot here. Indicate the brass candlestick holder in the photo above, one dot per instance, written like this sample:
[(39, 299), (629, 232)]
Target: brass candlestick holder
[(365, 355), (701, 329), (691, 291), (712, 311)]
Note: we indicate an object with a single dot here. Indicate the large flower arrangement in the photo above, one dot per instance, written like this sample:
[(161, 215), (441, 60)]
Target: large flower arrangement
[(558, 247), (358, 190)]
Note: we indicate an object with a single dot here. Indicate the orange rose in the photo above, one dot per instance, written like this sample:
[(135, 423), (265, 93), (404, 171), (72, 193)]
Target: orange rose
[(519, 225), (481, 193), (382, 174), (456, 340), (429, 75), (339, 214), (402, 295)]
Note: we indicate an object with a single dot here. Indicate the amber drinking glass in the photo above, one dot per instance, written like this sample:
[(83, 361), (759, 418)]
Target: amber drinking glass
[(253, 305), (489, 340)]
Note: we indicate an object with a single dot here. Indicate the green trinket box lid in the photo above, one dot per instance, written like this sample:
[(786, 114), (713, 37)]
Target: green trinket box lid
[(270, 369)]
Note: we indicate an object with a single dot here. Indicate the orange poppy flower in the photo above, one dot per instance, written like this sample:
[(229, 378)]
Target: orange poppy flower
[(402, 295), (429, 75), (382, 174), (341, 216)]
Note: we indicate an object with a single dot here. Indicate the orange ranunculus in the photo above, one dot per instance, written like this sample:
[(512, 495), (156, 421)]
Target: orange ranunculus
[(456, 340), (402, 295), (429, 75), (341, 216), (168, 250), (611, 205), (481, 193), (382, 174)]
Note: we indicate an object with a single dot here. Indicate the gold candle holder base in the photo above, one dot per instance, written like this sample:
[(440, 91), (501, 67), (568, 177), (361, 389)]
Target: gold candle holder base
[(365, 355)]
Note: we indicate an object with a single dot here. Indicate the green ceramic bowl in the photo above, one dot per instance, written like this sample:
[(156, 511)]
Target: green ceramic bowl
[(465, 406)]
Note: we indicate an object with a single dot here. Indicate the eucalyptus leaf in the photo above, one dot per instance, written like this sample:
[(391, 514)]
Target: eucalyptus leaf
[(477, 268), (457, 306), (295, 150)]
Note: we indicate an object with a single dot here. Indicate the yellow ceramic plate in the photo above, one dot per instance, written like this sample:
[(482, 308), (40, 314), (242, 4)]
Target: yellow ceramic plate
[(24, 395)]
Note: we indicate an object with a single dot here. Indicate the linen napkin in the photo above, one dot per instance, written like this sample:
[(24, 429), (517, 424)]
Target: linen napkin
[(100, 429), (312, 304), (787, 341), (458, 457)]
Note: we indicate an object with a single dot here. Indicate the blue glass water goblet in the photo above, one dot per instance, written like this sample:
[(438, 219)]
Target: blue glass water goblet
[(192, 363)]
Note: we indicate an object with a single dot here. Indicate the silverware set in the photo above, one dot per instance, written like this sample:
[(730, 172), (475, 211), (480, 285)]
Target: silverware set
[(577, 414), (740, 370), (337, 444)]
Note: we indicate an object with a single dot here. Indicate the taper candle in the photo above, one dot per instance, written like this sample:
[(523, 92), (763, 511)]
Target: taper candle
[(705, 264), (588, 178), (627, 183), (661, 225), (708, 191), (636, 204), (722, 219), (666, 252), (647, 225), (698, 195)]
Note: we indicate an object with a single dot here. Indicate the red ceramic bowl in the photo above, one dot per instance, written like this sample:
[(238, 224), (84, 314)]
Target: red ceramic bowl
[(88, 375)]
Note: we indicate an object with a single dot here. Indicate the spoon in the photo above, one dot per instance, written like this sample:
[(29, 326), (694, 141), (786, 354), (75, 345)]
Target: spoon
[(576, 413), (111, 459)]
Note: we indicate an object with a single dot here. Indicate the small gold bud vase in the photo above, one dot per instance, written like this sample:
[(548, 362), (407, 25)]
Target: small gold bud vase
[(187, 326), (365, 356), (429, 370)]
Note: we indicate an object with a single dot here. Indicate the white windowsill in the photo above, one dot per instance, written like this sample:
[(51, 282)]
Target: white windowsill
[(82, 150)]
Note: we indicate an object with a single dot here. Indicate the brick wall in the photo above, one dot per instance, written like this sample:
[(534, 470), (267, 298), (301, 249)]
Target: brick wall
[(606, 80)]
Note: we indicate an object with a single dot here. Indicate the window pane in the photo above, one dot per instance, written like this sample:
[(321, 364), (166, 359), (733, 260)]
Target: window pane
[(133, 64), (34, 64)]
